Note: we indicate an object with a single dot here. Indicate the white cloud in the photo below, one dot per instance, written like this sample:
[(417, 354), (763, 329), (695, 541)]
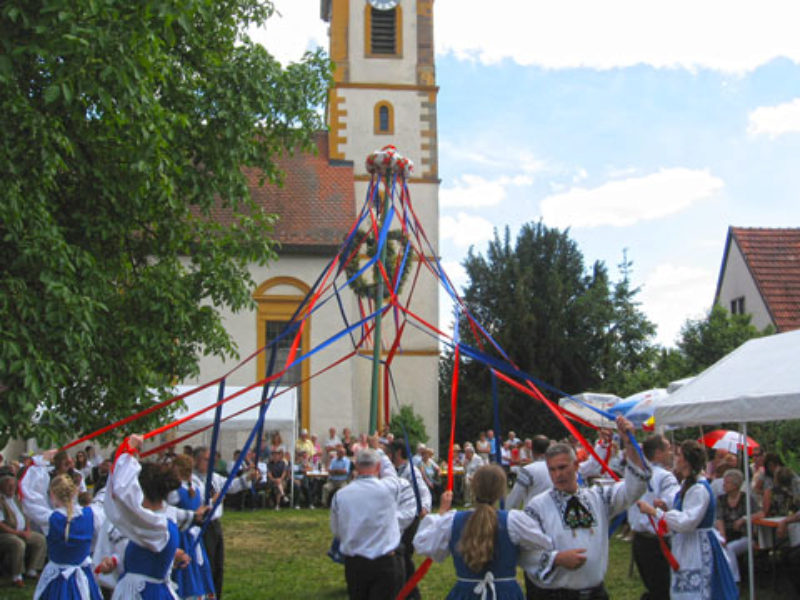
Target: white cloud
[(673, 293), (775, 120), (727, 35), (294, 28), (465, 230), (473, 191), (628, 201)]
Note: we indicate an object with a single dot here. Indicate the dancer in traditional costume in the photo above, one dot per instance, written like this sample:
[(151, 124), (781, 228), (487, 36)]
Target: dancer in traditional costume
[(196, 579), (135, 504), (485, 542), (69, 530), (704, 572), (577, 520)]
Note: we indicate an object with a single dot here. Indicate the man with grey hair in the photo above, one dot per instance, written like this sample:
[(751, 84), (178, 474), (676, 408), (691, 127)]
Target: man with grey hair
[(26, 550), (577, 519), (368, 517)]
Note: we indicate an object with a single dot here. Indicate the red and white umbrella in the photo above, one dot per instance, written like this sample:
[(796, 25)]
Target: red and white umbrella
[(723, 439)]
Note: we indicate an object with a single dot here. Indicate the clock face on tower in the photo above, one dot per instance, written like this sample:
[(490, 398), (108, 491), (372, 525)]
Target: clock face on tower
[(384, 4)]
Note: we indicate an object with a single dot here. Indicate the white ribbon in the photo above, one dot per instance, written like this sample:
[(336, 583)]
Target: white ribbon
[(194, 531), (486, 584), (53, 570)]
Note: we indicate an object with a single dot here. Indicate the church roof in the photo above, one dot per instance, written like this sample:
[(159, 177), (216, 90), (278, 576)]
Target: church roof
[(315, 204), (773, 257)]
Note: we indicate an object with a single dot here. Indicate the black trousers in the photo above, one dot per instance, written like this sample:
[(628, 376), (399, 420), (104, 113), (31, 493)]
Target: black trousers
[(534, 592), (374, 579), (407, 549), (215, 548), (652, 566)]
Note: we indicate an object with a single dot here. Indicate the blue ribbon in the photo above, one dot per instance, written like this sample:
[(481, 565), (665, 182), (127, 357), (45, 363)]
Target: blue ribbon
[(214, 439)]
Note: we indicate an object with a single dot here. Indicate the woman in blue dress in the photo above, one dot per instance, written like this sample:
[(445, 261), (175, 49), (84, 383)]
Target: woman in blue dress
[(196, 580), (485, 542), (704, 572), (135, 504), (69, 530)]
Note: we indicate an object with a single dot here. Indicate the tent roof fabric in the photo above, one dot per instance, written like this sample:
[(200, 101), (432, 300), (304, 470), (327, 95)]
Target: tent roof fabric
[(773, 257), (759, 381), (280, 414)]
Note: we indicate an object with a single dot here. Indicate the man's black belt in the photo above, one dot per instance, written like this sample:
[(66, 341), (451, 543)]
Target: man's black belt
[(598, 591)]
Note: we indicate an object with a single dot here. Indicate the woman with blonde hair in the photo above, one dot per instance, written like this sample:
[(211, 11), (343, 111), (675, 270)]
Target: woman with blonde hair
[(485, 542), (69, 529)]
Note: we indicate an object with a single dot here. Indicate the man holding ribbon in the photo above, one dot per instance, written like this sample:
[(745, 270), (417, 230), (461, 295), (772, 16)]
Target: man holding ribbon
[(577, 519)]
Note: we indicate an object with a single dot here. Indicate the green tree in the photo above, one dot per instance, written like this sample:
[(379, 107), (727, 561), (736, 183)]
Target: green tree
[(562, 322), (125, 128), (407, 421)]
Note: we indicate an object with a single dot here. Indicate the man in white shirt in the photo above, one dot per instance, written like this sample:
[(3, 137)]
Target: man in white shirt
[(212, 538), (532, 479), (577, 519), (650, 560), (368, 517), (25, 550)]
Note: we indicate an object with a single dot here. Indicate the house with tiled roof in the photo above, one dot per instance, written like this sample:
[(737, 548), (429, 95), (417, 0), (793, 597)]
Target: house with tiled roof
[(383, 92), (760, 276)]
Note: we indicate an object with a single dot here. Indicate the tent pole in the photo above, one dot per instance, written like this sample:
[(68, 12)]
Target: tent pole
[(750, 570)]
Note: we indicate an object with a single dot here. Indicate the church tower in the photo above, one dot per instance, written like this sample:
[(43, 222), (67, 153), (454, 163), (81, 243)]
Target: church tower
[(384, 92)]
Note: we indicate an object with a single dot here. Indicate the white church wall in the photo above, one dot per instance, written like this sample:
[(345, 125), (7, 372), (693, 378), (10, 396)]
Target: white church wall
[(396, 70)]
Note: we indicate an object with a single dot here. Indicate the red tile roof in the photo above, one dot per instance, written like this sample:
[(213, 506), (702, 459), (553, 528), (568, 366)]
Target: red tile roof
[(773, 256), (315, 204)]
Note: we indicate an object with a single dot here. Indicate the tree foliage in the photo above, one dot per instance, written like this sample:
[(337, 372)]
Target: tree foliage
[(124, 125), (564, 323), (406, 421)]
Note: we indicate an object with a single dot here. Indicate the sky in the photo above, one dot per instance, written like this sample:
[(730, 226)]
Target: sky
[(643, 127)]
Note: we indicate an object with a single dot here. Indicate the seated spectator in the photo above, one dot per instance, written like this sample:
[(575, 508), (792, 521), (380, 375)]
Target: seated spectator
[(472, 462), (347, 441), (416, 460), (24, 550), (732, 517), (329, 447), (304, 443), (338, 472), (275, 442), (482, 447), (188, 450), (726, 464), (513, 439), (277, 474), (458, 456), (431, 474), (792, 555), (361, 444), (301, 482), (316, 456), (783, 498)]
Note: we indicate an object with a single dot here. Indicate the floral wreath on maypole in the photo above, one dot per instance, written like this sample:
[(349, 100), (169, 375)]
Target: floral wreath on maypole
[(383, 165)]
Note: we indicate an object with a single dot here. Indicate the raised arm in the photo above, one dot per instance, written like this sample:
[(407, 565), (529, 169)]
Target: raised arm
[(124, 508), (433, 536), (34, 489)]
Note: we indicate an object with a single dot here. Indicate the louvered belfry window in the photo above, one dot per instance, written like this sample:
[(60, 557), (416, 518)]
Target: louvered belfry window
[(383, 31)]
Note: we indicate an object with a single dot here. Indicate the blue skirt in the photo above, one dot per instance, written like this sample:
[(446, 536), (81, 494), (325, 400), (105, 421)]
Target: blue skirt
[(196, 578), (67, 589)]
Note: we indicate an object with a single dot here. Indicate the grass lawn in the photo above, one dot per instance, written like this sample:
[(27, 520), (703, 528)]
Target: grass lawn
[(282, 555)]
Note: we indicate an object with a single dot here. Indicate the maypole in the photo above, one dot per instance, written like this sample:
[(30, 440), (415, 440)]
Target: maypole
[(385, 166), (383, 207)]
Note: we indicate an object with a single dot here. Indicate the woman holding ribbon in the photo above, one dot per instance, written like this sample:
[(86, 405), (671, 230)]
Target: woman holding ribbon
[(485, 542), (704, 571), (69, 530), (196, 579), (135, 504)]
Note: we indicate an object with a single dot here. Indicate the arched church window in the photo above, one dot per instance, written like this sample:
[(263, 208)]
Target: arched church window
[(384, 118)]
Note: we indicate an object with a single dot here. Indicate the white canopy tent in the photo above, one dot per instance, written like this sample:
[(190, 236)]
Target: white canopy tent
[(759, 381), (602, 401), (281, 416)]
